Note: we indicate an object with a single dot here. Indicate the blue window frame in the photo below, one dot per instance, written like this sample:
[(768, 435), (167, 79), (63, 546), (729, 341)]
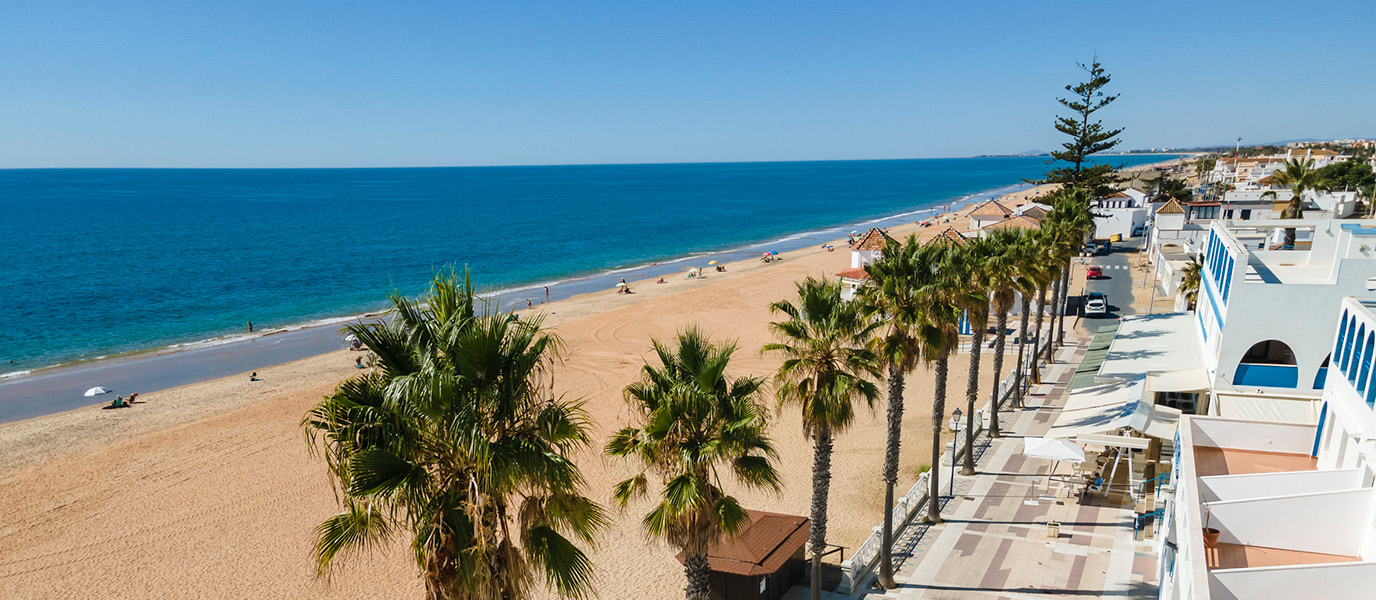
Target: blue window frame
[(1366, 363), (1352, 364), (1346, 350), (1342, 329)]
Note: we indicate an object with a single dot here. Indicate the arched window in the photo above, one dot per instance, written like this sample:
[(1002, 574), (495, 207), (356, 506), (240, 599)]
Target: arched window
[(1365, 369), (1322, 375), (1356, 347), (1268, 363), (1342, 329), (1227, 280), (1345, 353)]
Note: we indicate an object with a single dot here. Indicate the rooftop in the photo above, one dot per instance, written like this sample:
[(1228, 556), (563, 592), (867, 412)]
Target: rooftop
[(874, 239), (762, 547), (1237, 556), (1152, 344), (1229, 461), (1018, 222), (989, 208)]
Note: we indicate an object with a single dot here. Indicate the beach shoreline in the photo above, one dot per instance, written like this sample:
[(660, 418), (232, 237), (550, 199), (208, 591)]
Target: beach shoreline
[(24, 392), (516, 293), (228, 495)]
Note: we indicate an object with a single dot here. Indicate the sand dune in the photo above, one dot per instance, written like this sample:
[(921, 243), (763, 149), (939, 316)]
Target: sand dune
[(209, 491)]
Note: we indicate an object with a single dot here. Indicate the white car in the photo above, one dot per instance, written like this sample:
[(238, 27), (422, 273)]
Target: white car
[(1096, 304)]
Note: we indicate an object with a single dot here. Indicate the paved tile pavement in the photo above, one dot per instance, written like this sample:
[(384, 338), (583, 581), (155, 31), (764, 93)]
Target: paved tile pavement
[(995, 542)]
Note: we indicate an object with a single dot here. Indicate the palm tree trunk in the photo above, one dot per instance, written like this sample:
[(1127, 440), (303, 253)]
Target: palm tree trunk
[(699, 577), (1022, 346), (821, 484), (938, 417), (971, 393), (891, 472), (1060, 308), (999, 339), (1037, 336), (1050, 345)]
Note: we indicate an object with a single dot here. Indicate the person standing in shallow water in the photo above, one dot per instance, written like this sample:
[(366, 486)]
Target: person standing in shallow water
[(250, 326)]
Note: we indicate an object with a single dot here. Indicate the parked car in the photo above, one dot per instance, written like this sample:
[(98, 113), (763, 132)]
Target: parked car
[(1094, 273), (1096, 304), (1091, 250)]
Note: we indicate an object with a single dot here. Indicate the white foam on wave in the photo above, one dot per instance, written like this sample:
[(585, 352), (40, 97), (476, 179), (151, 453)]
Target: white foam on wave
[(13, 374)]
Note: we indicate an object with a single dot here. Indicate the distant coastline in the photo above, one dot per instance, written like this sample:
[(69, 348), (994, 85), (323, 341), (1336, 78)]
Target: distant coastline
[(570, 283)]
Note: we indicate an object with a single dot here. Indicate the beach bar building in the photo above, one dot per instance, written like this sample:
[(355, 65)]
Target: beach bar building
[(1264, 510), (864, 251), (762, 561)]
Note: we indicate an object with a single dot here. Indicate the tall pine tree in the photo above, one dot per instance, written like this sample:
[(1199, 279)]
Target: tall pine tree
[(1086, 137)]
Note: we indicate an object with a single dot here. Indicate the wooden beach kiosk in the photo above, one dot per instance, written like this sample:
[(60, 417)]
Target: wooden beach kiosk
[(763, 561)]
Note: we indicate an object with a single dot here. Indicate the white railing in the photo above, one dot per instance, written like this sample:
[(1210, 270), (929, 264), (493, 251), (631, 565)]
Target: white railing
[(866, 557)]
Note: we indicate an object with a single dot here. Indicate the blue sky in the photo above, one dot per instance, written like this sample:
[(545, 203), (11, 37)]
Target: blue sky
[(288, 84)]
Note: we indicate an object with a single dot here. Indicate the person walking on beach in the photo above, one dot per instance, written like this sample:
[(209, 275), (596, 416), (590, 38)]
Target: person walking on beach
[(250, 326), (546, 294)]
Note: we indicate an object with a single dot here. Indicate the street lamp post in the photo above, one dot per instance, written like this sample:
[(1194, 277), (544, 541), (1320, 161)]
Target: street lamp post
[(955, 444)]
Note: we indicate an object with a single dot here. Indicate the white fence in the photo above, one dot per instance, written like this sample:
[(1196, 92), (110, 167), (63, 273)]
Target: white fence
[(866, 558)]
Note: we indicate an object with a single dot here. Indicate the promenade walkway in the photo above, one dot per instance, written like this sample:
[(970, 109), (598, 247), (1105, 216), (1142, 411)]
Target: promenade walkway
[(995, 545)]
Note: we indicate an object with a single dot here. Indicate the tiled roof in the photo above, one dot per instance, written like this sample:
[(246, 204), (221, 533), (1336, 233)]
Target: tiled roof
[(990, 208), (760, 548), (856, 273), (1036, 213), (1171, 208), (874, 239), (1013, 223), (951, 236)]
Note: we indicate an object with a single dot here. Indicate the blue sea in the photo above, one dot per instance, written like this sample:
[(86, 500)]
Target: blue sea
[(101, 262)]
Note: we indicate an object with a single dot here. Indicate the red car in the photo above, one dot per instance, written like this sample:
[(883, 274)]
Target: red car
[(1093, 273)]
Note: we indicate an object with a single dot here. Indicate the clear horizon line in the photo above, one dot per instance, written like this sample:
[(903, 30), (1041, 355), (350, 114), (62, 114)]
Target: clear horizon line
[(588, 164)]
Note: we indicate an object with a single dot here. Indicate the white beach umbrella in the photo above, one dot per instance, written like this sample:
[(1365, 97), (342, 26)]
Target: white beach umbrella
[(96, 391), (1053, 449)]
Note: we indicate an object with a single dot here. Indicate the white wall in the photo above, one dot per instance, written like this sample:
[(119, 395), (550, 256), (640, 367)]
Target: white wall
[(1120, 221), (1344, 581), (1262, 485), (1259, 436), (1254, 311), (1327, 523)]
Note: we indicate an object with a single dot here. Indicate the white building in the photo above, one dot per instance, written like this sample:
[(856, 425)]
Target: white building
[(1259, 308), (864, 251), (1122, 214), (1262, 510), (987, 213)]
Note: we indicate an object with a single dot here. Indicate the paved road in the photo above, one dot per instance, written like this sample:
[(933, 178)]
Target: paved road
[(1119, 283)]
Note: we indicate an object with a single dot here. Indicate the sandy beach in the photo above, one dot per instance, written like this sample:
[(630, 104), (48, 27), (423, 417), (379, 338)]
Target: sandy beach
[(208, 490)]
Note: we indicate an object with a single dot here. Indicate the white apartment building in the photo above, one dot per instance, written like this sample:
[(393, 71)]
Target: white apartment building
[(1258, 308), (1263, 510), (1121, 214)]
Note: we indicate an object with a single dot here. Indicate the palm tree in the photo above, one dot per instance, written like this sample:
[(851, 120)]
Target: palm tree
[(1030, 263), (1003, 270), (891, 298), (692, 421), (455, 439), (827, 368), (944, 295), (1300, 176), (1050, 270), (976, 256), (1070, 222), (1189, 281)]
